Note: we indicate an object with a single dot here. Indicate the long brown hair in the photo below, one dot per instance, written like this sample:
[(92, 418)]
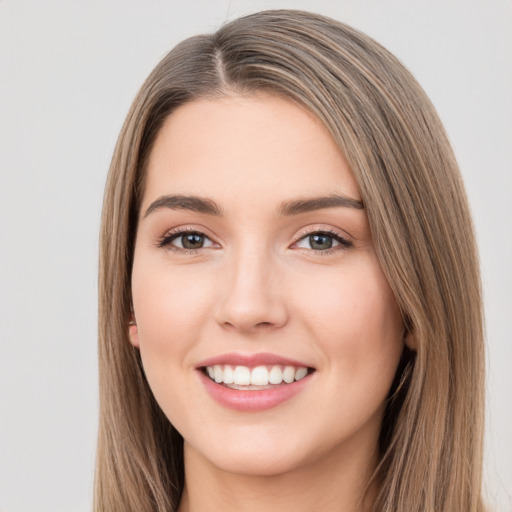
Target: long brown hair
[(390, 134)]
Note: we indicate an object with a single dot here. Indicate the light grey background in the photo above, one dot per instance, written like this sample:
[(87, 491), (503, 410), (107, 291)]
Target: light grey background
[(68, 72)]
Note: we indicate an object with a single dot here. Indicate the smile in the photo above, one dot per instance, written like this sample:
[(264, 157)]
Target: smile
[(253, 382), (259, 377)]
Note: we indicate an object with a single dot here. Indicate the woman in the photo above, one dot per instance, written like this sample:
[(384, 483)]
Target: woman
[(290, 312)]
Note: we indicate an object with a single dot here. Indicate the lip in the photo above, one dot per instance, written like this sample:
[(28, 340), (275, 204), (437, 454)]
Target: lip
[(252, 400), (252, 360)]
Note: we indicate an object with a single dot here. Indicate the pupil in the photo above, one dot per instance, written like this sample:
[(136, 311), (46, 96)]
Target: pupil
[(192, 241), (320, 242)]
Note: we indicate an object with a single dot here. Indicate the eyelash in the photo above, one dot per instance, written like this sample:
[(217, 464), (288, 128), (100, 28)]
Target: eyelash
[(344, 244), (165, 241)]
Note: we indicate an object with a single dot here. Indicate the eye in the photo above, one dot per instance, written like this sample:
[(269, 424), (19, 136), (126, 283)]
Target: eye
[(186, 240), (322, 241)]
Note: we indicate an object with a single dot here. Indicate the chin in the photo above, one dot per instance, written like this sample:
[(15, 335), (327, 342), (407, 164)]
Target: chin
[(250, 459), (258, 465)]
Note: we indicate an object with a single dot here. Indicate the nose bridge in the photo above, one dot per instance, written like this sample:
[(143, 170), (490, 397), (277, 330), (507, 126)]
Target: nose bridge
[(251, 297)]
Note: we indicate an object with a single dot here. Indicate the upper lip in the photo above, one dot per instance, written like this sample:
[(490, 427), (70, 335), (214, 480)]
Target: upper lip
[(251, 360)]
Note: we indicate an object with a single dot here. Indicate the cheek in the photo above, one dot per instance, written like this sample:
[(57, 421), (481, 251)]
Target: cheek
[(170, 306), (355, 319)]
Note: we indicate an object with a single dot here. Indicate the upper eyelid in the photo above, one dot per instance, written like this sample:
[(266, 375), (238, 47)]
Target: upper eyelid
[(188, 229), (342, 241), (177, 234), (171, 234), (328, 230)]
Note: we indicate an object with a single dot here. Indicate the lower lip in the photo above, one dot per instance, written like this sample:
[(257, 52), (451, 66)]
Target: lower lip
[(252, 400)]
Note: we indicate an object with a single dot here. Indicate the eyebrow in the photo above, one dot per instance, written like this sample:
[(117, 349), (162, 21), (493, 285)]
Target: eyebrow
[(191, 203), (292, 207), (297, 206)]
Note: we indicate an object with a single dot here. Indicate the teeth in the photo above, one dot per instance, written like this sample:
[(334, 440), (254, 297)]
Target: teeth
[(275, 375), (289, 374), (301, 373), (218, 374), (242, 376), (229, 375), (258, 376)]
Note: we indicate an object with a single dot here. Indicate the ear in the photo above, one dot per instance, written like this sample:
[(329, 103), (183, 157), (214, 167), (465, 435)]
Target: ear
[(133, 331), (410, 340)]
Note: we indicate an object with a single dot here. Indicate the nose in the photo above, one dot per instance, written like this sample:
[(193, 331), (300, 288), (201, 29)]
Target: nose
[(251, 298)]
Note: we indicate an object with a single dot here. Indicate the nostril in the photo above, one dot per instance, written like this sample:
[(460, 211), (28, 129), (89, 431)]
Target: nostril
[(263, 324)]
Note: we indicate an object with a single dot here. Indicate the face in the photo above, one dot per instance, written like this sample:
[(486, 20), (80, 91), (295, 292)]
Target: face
[(267, 330)]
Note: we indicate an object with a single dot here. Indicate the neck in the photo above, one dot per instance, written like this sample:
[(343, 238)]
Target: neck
[(339, 484)]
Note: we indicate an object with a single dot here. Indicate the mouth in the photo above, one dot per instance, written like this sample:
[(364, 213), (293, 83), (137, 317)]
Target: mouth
[(254, 382), (255, 378)]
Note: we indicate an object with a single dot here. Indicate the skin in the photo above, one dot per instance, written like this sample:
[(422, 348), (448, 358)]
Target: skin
[(258, 286)]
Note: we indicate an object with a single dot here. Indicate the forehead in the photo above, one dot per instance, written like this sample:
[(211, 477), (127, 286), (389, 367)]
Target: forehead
[(256, 146)]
